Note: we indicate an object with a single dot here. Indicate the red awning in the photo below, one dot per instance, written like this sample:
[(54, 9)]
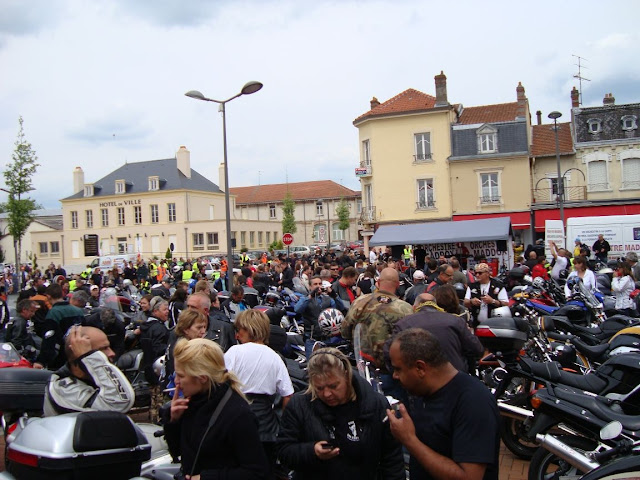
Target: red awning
[(519, 220)]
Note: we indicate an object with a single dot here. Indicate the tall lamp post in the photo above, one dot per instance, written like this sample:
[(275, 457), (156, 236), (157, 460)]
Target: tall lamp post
[(248, 89), (560, 182)]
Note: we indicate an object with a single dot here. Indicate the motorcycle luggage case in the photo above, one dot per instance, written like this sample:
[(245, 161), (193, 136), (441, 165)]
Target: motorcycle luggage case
[(22, 389), (74, 446), (502, 334)]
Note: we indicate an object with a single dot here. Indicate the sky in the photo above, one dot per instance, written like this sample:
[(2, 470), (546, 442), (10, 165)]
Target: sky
[(99, 84)]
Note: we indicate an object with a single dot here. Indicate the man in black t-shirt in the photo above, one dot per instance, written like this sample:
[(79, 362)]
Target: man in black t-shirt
[(450, 423)]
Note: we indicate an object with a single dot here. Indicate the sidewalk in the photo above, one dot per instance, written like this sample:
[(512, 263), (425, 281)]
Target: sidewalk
[(512, 467)]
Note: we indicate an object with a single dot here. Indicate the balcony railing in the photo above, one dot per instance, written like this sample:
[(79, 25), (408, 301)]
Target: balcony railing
[(368, 214), (422, 157), (490, 200), (571, 194), (364, 170), (425, 205)]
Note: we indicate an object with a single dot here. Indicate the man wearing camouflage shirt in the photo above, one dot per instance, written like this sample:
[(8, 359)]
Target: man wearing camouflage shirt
[(378, 312)]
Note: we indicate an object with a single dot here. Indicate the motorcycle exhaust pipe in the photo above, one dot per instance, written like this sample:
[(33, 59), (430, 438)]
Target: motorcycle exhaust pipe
[(512, 411), (566, 452)]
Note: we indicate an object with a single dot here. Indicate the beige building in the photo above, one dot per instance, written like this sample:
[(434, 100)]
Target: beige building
[(315, 209), (44, 238)]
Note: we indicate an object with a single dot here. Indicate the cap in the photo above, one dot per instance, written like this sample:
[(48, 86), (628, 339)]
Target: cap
[(94, 287), (418, 275), (482, 267), (577, 240)]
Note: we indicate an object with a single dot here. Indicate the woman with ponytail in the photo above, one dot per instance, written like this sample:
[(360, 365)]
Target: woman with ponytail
[(211, 427)]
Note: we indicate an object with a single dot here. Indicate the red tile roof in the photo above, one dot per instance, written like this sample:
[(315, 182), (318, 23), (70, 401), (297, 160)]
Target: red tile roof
[(500, 112), (299, 191), (408, 101), (544, 140)]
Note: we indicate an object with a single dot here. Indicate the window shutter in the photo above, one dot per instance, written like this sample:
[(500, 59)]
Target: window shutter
[(598, 175)]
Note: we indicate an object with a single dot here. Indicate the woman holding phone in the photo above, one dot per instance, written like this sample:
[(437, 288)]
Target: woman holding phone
[(338, 428)]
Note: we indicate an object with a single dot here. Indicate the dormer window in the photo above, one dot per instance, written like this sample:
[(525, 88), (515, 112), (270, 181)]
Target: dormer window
[(487, 139), (595, 125), (629, 122), (88, 190), (154, 183), (120, 186)]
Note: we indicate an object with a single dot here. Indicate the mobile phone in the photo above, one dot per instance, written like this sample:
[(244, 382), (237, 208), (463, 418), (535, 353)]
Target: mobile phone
[(328, 446), (396, 409)]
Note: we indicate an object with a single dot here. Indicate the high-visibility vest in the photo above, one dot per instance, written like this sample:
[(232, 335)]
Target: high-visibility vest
[(186, 275), (153, 270), (407, 253), (162, 271), (72, 285)]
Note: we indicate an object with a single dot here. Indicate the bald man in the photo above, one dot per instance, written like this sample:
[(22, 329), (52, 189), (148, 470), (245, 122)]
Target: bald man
[(378, 312), (88, 381)]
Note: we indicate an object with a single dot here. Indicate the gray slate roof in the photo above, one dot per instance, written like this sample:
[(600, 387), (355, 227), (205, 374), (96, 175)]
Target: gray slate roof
[(512, 138), (137, 176), (610, 116)]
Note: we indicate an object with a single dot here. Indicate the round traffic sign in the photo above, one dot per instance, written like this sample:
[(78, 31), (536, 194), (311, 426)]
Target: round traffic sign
[(287, 239)]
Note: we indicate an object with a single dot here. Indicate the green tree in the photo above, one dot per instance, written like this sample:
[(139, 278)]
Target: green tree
[(18, 177), (342, 211), (167, 254), (288, 218)]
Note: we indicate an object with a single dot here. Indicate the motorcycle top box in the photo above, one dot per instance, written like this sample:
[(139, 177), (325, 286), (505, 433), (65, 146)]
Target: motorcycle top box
[(74, 446), (502, 334), (22, 389)]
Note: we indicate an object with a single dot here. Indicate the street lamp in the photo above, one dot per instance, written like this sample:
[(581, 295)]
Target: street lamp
[(560, 182), (248, 89)]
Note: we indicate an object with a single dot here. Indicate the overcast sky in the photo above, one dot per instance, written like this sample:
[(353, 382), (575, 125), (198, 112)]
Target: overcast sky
[(101, 83)]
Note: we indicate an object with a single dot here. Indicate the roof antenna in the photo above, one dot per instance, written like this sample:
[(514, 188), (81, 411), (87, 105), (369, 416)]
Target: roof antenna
[(259, 172), (579, 75)]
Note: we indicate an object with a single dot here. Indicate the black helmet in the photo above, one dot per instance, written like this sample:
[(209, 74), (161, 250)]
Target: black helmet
[(563, 274), (461, 290)]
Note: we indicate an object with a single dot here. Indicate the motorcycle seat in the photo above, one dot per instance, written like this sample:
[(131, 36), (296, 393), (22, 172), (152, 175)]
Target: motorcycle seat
[(552, 371), (591, 352), (597, 406)]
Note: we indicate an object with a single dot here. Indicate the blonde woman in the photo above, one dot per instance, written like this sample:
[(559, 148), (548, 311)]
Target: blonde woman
[(230, 448), (338, 428)]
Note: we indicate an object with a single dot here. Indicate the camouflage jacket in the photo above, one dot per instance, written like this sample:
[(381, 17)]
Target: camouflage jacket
[(378, 312)]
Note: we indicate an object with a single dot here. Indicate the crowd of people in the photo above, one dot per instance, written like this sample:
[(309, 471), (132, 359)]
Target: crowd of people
[(413, 318)]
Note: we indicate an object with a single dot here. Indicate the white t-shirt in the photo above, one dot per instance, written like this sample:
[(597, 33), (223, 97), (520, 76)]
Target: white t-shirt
[(561, 264), (259, 369), (372, 257), (483, 314)]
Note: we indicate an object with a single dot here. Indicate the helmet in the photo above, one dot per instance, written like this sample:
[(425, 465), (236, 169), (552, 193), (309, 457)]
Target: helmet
[(563, 274), (504, 312), (461, 290), (177, 268), (271, 298), (330, 321), (572, 281), (127, 283), (516, 273), (158, 366), (538, 282)]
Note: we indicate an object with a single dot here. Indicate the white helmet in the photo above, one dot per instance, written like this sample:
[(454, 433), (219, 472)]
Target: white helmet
[(177, 268), (158, 366), (501, 312), (127, 282), (330, 321)]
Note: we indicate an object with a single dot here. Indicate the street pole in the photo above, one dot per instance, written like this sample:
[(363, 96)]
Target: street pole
[(560, 179)]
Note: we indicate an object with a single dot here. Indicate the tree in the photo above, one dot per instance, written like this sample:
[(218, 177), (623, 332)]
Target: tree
[(288, 218), (167, 254), (343, 213), (18, 178)]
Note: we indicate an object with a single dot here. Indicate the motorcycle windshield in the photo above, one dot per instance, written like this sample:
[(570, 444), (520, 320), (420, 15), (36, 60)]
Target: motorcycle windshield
[(8, 353), (589, 298)]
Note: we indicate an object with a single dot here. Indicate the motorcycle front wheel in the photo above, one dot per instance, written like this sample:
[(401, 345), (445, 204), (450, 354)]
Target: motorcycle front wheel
[(546, 465)]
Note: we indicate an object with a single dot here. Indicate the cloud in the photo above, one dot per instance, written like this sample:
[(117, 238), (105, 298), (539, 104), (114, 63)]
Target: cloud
[(115, 129), (169, 13), (19, 18)]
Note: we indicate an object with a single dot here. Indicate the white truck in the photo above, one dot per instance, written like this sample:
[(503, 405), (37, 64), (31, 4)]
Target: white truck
[(621, 231)]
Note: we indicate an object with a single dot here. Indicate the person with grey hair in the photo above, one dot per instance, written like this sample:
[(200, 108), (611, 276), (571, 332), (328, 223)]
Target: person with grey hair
[(632, 258), (79, 299), (450, 425), (16, 330)]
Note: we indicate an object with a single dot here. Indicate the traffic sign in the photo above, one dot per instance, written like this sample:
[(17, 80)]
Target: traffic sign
[(287, 239)]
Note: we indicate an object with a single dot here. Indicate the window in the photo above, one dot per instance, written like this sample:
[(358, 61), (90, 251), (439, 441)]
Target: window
[(422, 143), (425, 193), (594, 125), (597, 176), (252, 239), (336, 233), (272, 211), (366, 153), (89, 218), (358, 205), (554, 186), (212, 241), (260, 238), (319, 209), (243, 238), (44, 248), (121, 216), (137, 214), (268, 234), (172, 211), (490, 192), (154, 214), (74, 219), (104, 213), (211, 212), (55, 247), (198, 241), (629, 122), (88, 190), (320, 233), (631, 173), (487, 139), (154, 183), (122, 245), (120, 186)]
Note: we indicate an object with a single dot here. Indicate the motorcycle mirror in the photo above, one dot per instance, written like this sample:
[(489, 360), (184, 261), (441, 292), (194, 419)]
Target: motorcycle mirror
[(611, 430)]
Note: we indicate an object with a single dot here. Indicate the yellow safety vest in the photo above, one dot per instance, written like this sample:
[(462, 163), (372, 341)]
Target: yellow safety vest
[(186, 275), (72, 285), (407, 253)]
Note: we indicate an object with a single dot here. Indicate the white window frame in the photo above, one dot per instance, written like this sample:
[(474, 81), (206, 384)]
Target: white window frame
[(213, 241), (243, 239), (154, 183), (337, 235), (422, 154), (624, 156), (74, 219), (594, 125), (319, 209), (252, 239), (44, 248), (260, 237), (366, 153), (104, 216), (88, 190), (268, 237), (492, 200), (428, 185), (588, 159), (197, 240), (272, 211), (54, 247), (155, 216), (171, 211), (137, 215), (487, 139), (88, 216), (493, 197), (632, 120), (121, 216), (120, 187)]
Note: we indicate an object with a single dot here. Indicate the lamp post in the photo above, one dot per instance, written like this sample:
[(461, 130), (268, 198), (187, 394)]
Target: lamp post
[(560, 182), (248, 89)]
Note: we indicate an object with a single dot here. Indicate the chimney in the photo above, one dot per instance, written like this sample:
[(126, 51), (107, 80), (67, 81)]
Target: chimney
[(183, 158), (539, 117), (374, 103), (78, 180), (608, 99), (521, 112), (575, 98), (441, 90), (221, 183)]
